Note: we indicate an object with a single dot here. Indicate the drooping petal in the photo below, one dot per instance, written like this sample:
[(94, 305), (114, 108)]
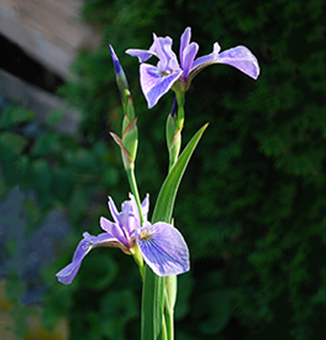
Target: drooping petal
[(189, 55), (241, 58), (184, 42), (142, 55), (163, 248), (155, 84), (68, 273), (207, 59)]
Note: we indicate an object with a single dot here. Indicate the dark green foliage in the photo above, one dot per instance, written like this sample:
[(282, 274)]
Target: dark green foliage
[(252, 203)]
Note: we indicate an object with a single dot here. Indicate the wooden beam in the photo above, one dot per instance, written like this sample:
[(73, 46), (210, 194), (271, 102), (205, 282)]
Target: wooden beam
[(50, 31)]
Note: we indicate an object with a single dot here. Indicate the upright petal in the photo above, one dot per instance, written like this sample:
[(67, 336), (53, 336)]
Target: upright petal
[(155, 84), (163, 248), (184, 42), (144, 208), (114, 211), (241, 58), (114, 231), (67, 274), (188, 59), (163, 47)]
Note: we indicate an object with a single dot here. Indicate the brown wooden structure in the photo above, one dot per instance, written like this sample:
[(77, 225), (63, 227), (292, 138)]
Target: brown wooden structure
[(50, 31)]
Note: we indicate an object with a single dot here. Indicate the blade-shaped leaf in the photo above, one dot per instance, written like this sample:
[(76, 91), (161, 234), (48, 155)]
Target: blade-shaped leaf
[(153, 290), (166, 198)]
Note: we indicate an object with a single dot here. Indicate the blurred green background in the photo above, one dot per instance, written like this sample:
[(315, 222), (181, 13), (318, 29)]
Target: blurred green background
[(252, 205)]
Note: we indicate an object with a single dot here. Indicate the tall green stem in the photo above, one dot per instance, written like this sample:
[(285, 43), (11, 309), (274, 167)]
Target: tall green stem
[(153, 325), (134, 190), (180, 97), (170, 286)]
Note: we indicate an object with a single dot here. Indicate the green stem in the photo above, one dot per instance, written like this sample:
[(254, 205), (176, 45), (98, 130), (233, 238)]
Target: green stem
[(134, 191), (152, 319), (180, 114), (170, 286), (153, 325), (170, 294)]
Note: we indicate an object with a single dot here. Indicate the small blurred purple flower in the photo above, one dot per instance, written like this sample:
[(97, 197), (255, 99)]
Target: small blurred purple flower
[(157, 80), (161, 245)]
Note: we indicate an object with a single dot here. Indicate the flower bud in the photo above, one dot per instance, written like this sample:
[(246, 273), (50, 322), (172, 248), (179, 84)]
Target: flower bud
[(123, 86), (173, 136)]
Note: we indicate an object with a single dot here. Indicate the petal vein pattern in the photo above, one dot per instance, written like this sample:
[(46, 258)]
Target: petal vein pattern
[(157, 80), (161, 245)]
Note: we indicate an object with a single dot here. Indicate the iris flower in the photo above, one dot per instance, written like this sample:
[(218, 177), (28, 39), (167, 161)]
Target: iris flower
[(161, 245), (157, 80)]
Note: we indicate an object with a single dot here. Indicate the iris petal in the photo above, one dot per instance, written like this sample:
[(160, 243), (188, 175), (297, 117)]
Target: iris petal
[(68, 273), (241, 58), (113, 230), (207, 59), (155, 84), (144, 208), (188, 58), (163, 248), (184, 42), (113, 210), (142, 55)]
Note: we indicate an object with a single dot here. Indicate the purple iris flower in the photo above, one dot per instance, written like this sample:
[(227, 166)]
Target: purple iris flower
[(157, 80), (161, 245)]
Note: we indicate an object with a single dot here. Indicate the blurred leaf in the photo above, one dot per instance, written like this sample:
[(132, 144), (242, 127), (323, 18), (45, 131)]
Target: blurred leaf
[(14, 114), (41, 174), (118, 308), (320, 296), (99, 271), (186, 285), (44, 143), (54, 117), (20, 314), (111, 176), (78, 203), (82, 159), (62, 184), (215, 309), (11, 143), (57, 303)]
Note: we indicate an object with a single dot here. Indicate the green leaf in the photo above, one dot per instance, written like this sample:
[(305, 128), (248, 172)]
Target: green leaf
[(63, 184), (54, 117), (153, 289), (100, 271), (44, 144), (217, 310), (14, 114), (12, 142), (41, 175), (118, 307), (166, 198)]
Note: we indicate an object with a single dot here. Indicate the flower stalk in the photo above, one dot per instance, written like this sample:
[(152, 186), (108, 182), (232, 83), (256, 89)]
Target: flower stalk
[(159, 249)]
